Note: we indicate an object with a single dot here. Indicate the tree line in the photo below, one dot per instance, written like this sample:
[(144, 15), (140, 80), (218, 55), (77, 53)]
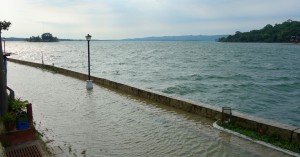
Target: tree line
[(46, 37), (288, 31)]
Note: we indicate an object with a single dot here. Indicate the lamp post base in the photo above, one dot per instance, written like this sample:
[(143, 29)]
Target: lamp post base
[(89, 84)]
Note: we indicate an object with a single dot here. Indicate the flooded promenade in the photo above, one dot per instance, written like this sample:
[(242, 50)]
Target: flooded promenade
[(103, 122)]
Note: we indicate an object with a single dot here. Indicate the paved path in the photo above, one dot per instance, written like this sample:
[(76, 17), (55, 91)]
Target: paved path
[(102, 122)]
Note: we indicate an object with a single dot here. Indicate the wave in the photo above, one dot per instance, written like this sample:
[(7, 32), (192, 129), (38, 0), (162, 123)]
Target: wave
[(181, 90), (199, 77), (245, 76)]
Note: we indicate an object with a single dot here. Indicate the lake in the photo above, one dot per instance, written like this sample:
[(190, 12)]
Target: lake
[(260, 79)]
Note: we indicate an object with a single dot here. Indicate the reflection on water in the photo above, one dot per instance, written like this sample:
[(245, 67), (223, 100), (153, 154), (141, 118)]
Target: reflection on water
[(102, 122)]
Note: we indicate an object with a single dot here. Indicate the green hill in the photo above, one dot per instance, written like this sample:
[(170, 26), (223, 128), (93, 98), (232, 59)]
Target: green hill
[(288, 31)]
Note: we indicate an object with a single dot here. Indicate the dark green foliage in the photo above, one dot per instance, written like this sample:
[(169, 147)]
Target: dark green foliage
[(46, 37), (16, 105), (288, 31), (34, 39), (8, 117), (4, 25)]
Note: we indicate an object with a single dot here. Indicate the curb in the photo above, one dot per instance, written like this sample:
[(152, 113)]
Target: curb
[(215, 125)]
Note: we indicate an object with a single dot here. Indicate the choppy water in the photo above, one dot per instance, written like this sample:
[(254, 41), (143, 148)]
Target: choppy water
[(105, 123), (260, 79)]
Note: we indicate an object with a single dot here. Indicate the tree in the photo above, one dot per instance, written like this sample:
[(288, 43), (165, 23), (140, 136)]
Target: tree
[(277, 33), (268, 27), (4, 25), (46, 37)]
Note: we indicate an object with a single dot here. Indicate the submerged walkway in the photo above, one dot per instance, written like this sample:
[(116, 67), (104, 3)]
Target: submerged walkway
[(102, 122)]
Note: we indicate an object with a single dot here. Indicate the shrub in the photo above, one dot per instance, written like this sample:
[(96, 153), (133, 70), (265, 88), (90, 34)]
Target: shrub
[(8, 118), (16, 105)]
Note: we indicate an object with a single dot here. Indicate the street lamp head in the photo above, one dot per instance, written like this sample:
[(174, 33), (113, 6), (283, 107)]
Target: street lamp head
[(88, 37)]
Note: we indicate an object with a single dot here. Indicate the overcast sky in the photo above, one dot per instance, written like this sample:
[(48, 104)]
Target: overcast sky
[(118, 19)]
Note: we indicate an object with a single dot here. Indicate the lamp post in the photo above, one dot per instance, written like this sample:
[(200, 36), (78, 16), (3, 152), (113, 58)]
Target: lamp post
[(5, 59), (4, 44), (89, 82)]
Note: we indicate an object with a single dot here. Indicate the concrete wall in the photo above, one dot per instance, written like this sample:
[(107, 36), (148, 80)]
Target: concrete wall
[(283, 131)]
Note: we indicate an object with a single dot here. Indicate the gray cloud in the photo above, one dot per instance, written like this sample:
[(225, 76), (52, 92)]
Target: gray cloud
[(135, 18)]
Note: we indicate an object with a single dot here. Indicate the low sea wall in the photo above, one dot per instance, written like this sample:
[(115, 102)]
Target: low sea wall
[(285, 132)]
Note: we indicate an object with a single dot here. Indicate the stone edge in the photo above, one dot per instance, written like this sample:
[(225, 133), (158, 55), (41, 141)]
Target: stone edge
[(215, 125), (284, 131)]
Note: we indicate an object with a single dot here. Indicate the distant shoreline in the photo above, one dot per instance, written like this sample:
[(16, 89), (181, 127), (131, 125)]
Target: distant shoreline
[(163, 38), (155, 41)]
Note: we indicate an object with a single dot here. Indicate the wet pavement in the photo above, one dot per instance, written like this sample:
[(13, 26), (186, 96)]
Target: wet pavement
[(103, 122)]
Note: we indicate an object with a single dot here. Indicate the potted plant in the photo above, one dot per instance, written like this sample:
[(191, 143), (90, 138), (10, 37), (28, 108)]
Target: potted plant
[(16, 105), (9, 121), (16, 108), (22, 121)]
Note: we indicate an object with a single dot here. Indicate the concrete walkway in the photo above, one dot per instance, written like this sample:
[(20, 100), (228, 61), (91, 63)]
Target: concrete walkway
[(102, 122)]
